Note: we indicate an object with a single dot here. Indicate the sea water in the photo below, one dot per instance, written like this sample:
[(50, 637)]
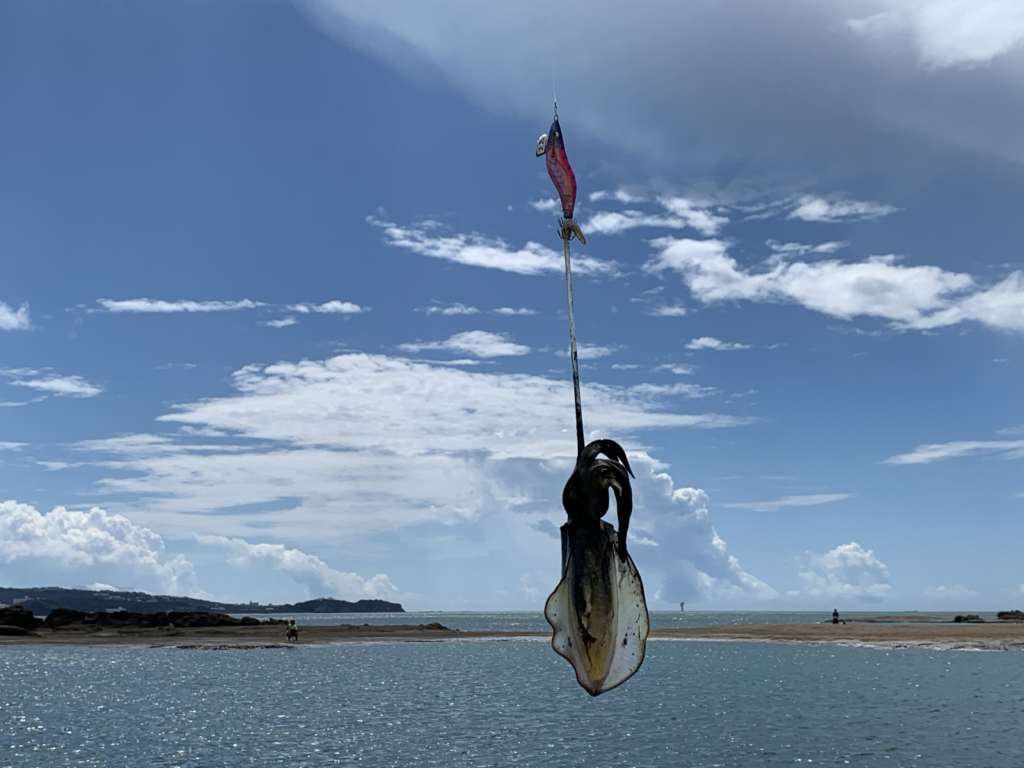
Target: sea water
[(509, 703)]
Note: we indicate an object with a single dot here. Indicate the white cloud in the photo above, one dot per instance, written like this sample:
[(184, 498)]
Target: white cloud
[(334, 307), (926, 454), (452, 309), (546, 204), (68, 540), (589, 351), (478, 343), (9, 446), (918, 297), (710, 342), (478, 251), (679, 370), (786, 250), (284, 322), (624, 366), (682, 213), (810, 500), (156, 305), (99, 586), (14, 319), (513, 311), (951, 32), (848, 571), (367, 443), (304, 568), (52, 384), (812, 208), (676, 310)]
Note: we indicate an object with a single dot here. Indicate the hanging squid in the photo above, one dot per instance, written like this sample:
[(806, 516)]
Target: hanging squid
[(597, 611)]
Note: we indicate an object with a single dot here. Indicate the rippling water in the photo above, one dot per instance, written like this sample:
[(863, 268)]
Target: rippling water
[(509, 703)]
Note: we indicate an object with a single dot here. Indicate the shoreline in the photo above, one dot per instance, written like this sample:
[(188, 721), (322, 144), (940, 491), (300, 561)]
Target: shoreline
[(987, 636)]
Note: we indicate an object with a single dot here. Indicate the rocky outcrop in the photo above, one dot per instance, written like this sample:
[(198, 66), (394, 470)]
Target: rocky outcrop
[(970, 618), (6, 629), (1010, 615), (17, 616)]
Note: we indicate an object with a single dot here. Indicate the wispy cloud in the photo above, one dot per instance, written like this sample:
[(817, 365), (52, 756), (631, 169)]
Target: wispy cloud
[(477, 343), (681, 213), (912, 297), (926, 454), (589, 351), (158, 306), (679, 370), (710, 342), (334, 307), (674, 310), (811, 500), (449, 310), (51, 384), (478, 251), (14, 319), (786, 250), (513, 311), (813, 208), (284, 322)]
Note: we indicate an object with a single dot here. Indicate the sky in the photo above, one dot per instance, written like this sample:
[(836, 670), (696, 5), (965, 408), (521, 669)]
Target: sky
[(283, 312)]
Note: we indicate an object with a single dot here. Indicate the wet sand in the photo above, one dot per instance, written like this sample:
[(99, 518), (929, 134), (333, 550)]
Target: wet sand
[(988, 636)]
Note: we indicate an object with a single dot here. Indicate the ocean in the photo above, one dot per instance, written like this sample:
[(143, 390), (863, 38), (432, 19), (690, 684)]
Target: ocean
[(510, 703)]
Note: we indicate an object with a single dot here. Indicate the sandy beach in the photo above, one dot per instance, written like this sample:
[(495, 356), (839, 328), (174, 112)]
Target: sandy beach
[(987, 636)]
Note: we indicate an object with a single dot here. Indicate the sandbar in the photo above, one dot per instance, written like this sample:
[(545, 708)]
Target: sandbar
[(987, 636)]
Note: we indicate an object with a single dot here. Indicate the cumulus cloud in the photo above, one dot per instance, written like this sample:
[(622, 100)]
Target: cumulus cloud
[(926, 454), (810, 500), (950, 33), (848, 571), (51, 384), (477, 343), (14, 319), (678, 370), (66, 540), (159, 306), (546, 205), (812, 208), (523, 311), (911, 297), (334, 307), (710, 342), (310, 570), (478, 251)]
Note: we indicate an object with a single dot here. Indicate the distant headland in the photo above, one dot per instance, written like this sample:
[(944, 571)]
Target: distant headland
[(42, 600)]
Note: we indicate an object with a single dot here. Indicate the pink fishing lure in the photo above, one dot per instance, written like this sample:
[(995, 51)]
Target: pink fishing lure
[(559, 169)]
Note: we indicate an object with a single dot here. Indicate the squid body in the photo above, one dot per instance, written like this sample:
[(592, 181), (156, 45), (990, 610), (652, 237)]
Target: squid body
[(598, 611)]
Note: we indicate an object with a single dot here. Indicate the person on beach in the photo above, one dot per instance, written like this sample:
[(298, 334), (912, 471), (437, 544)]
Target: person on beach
[(835, 615), (292, 632)]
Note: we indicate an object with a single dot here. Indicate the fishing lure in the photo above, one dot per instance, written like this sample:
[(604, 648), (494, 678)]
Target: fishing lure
[(552, 146)]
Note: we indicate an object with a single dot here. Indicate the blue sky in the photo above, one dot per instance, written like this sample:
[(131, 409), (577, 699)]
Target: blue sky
[(283, 311)]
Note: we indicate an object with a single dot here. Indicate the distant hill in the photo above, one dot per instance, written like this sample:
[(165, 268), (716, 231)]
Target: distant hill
[(42, 600)]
